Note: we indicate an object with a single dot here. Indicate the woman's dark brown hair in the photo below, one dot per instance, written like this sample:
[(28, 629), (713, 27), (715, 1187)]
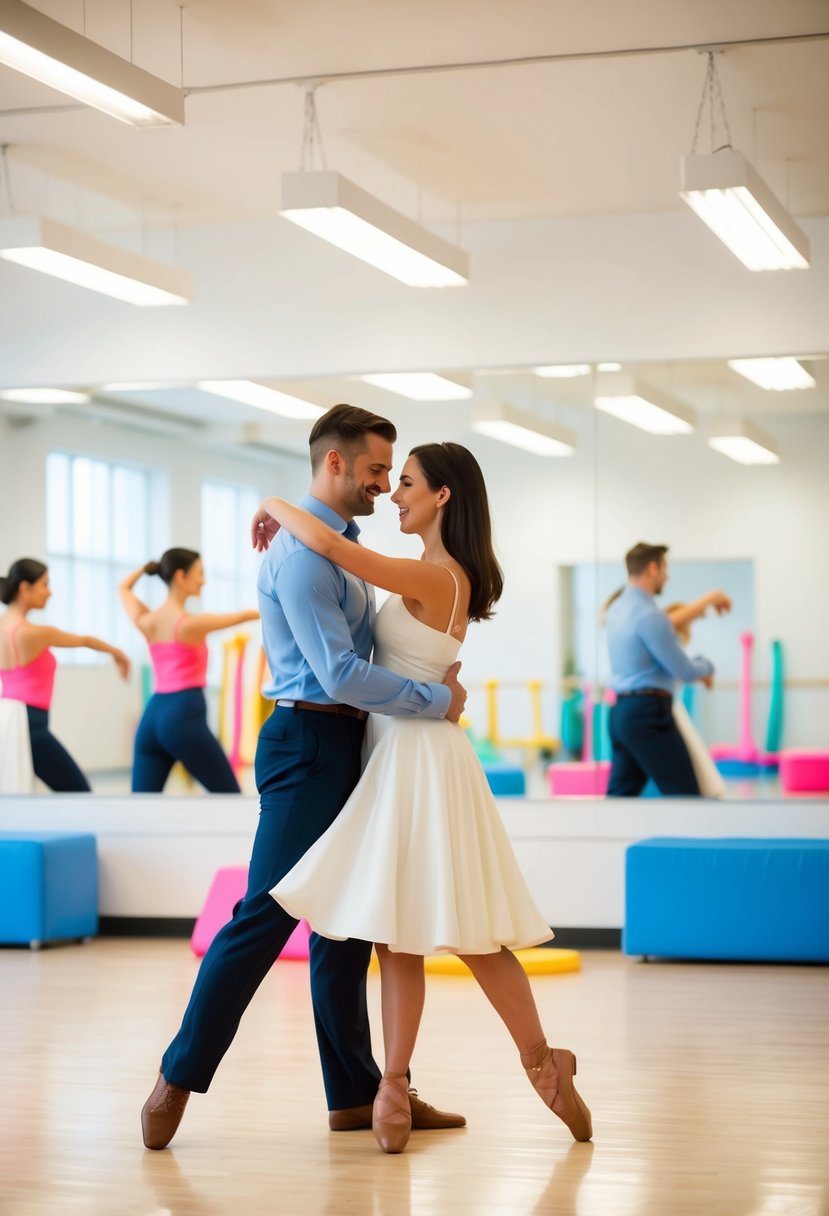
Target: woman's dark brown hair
[(465, 526), (24, 570)]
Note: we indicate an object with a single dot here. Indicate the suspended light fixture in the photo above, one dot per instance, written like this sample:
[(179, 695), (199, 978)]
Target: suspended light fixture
[(779, 375), (44, 396), (563, 371), (66, 253), (730, 197), (37, 46), (640, 404), (523, 430), (420, 386), (262, 397), (742, 441), (333, 208)]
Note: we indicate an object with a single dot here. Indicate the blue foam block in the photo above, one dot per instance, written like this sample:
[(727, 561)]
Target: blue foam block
[(48, 886), (764, 900), (505, 780)]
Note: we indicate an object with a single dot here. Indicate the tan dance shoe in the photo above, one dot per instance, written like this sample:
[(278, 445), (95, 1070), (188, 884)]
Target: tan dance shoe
[(391, 1119), (551, 1071)]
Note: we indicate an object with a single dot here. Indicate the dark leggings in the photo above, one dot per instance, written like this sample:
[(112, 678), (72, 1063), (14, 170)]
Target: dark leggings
[(174, 727), (50, 759)]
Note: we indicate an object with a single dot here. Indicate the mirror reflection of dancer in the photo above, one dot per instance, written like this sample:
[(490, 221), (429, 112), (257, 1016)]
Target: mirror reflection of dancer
[(27, 668), (174, 724), (418, 860), (645, 661)]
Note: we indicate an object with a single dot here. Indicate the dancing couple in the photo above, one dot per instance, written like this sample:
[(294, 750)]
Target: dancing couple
[(410, 855)]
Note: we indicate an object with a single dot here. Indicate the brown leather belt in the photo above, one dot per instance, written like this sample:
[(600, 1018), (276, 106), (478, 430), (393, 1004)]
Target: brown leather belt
[(645, 692), (346, 711)]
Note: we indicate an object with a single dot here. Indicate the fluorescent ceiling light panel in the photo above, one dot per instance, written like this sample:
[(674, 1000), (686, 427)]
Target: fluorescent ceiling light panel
[(420, 386), (642, 405), (737, 205), (778, 375), (249, 392), (44, 49), (523, 430), (341, 213), (742, 441), (563, 371), (44, 396), (66, 253), (608, 367)]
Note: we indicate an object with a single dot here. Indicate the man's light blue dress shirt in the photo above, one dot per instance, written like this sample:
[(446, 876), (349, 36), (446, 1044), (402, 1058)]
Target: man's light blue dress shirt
[(644, 648), (317, 631)]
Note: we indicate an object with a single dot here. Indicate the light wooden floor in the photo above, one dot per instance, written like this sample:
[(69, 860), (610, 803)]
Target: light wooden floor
[(708, 1085)]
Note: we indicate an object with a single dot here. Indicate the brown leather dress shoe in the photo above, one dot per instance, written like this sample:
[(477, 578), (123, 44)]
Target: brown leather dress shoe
[(424, 1117), (162, 1113)]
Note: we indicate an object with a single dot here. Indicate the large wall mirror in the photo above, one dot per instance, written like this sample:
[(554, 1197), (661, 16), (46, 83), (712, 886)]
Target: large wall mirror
[(736, 491)]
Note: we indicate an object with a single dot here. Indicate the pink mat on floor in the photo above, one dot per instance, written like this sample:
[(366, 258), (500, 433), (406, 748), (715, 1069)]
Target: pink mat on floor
[(227, 888)]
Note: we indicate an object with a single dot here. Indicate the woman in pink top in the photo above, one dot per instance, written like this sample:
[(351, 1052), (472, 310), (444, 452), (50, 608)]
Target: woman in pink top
[(174, 725), (27, 668)]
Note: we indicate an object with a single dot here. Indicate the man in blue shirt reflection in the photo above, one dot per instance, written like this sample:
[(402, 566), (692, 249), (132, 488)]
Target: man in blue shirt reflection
[(645, 660), (317, 630)]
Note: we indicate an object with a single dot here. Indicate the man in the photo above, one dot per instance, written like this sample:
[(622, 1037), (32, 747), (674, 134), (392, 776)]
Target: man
[(645, 659), (317, 631)]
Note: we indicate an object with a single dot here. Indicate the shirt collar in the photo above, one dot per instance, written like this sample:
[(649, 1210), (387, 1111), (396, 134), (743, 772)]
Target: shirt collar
[(329, 516), (637, 591)]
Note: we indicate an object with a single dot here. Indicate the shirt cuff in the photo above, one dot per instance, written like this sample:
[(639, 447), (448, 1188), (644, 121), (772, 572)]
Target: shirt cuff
[(441, 700)]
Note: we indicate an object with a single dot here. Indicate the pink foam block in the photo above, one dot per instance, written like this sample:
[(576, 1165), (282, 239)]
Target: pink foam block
[(227, 888), (804, 771), (584, 778)]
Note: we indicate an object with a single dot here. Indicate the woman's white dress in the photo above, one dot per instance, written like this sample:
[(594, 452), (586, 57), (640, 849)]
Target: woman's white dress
[(418, 858), (709, 778)]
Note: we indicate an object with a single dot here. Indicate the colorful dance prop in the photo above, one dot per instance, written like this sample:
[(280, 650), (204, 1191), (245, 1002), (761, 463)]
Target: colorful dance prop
[(579, 779), (227, 888), (746, 759), (804, 772), (536, 960), (538, 740), (774, 730), (231, 699)]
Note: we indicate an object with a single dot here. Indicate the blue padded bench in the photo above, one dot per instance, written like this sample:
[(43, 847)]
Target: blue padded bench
[(505, 780), (763, 900), (48, 887)]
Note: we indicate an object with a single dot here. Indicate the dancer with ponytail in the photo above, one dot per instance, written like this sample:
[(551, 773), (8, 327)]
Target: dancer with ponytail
[(174, 725), (27, 668)]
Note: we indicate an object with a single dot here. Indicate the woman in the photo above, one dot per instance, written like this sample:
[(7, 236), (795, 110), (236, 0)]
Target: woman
[(174, 725), (27, 668), (418, 860)]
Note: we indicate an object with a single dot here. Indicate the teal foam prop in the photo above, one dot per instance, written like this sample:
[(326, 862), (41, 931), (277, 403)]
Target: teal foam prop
[(774, 730)]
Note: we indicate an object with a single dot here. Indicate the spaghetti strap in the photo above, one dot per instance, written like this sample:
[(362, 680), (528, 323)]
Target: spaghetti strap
[(15, 651), (176, 626), (451, 624)]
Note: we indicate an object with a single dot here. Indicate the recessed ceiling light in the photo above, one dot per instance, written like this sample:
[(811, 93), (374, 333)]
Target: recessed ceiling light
[(420, 386), (640, 404), (250, 392), (742, 441), (563, 371), (44, 396), (522, 430), (778, 375)]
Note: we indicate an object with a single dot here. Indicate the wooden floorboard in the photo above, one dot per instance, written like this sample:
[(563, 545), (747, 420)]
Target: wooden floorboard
[(708, 1085)]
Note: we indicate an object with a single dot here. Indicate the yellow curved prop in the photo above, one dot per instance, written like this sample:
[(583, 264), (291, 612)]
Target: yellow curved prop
[(537, 960)]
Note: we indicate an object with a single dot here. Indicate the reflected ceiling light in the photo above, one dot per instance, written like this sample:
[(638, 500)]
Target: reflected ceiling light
[(66, 253), (742, 441), (250, 392), (778, 375), (330, 206), (420, 386), (563, 371), (737, 205), (44, 396), (37, 46), (523, 430), (608, 367), (642, 405)]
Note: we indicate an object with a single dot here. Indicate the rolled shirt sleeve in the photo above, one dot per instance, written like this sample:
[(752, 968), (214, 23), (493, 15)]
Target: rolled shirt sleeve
[(308, 587), (659, 636)]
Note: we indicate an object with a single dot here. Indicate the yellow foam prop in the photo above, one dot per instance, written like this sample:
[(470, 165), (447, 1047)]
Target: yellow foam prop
[(537, 960)]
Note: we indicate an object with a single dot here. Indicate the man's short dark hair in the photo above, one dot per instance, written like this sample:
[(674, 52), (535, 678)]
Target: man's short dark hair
[(345, 427), (640, 557)]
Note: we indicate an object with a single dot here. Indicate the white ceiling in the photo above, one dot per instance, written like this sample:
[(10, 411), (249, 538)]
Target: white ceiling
[(560, 177)]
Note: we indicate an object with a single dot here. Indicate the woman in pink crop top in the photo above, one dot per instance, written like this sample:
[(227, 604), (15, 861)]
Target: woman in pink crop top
[(174, 724), (27, 668)]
